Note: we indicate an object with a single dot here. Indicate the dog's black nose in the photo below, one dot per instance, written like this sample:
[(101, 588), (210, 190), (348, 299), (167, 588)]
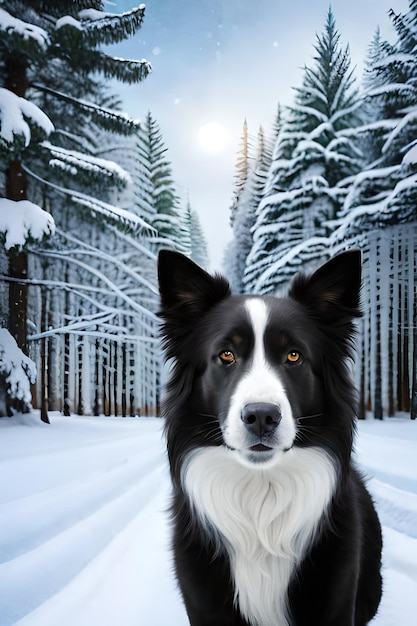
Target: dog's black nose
[(261, 418)]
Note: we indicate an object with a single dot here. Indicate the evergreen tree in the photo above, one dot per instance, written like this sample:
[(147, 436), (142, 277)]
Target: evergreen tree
[(385, 192), (48, 69), (380, 215), (156, 197), (277, 149), (262, 165), (315, 152), (50, 64), (199, 251), (245, 214), (241, 170), (372, 133), (377, 49), (237, 250)]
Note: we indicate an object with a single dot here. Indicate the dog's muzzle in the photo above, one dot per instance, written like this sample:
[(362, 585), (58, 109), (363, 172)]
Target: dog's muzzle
[(261, 418)]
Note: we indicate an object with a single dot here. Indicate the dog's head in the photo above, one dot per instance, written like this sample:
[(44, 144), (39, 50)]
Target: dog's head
[(258, 374)]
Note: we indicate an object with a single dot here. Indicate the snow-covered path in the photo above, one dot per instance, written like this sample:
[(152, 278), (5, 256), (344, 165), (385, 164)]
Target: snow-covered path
[(387, 451), (84, 533)]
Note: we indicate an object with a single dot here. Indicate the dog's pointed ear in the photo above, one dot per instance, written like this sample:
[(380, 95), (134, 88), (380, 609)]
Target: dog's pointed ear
[(333, 291), (187, 288)]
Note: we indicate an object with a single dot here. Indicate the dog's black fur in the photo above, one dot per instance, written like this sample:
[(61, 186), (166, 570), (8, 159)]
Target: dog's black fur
[(337, 581)]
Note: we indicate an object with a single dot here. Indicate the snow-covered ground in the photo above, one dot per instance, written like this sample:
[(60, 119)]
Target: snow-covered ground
[(84, 533)]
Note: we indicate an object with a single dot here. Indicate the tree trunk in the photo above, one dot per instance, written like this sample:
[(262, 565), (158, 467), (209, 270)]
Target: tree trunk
[(18, 299), (44, 361), (124, 379), (16, 189)]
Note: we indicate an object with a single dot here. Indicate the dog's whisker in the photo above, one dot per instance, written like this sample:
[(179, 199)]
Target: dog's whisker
[(308, 417)]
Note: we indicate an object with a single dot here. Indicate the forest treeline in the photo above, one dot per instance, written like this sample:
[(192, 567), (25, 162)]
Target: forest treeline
[(339, 170), (88, 197)]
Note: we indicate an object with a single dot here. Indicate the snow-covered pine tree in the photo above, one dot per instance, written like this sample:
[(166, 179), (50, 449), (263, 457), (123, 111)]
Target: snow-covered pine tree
[(184, 230), (50, 61), (258, 258), (377, 49), (241, 170), (156, 198), (371, 134), (315, 151), (50, 58), (245, 213), (277, 147), (236, 251), (198, 244), (380, 214), (385, 192)]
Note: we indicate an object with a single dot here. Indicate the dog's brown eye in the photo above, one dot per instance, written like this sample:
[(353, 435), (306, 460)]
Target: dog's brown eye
[(293, 356), (227, 357)]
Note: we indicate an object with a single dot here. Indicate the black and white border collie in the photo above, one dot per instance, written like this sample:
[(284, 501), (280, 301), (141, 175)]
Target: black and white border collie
[(273, 525)]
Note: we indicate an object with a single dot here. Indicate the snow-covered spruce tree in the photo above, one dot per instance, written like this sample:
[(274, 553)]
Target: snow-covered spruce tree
[(156, 199), (199, 249), (385, 192), (315, 152), (371, 133), (245, 207), (236, 251), (277, 129), (50, 59), (241, 170), (380, 214), (193, 232), (257, 259), (263, 161)]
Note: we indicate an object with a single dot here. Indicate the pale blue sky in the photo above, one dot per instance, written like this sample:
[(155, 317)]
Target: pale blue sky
[(223, 61)]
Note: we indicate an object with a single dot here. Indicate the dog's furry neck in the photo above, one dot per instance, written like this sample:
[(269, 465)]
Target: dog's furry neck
[(264, 518)]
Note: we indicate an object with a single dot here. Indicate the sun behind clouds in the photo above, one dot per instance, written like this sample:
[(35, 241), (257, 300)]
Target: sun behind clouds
[(213, 137)]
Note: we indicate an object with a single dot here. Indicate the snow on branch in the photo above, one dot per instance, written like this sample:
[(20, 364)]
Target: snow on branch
[(98, 113), (97, 206), (88, 250), (23, 220), (360, 181), (410, 157), (110, 211), (13, 111), (86, 162), (16, 369), (347, 111), (410, 118), (322, 128), (367, 216), (392, 88), (102, 26), (101, 276), (112, 27), (125, 70), (379, 127), (398, 58), (307, 110), (318, 243), (11, 26)]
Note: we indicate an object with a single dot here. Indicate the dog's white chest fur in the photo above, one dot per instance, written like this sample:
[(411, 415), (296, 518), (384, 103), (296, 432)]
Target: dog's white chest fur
[(265, 518)]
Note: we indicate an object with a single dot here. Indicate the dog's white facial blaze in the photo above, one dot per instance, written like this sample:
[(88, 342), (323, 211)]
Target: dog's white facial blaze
[(259, 384)]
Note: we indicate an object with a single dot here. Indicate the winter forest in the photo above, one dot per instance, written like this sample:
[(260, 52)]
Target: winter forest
[(88, 197)]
